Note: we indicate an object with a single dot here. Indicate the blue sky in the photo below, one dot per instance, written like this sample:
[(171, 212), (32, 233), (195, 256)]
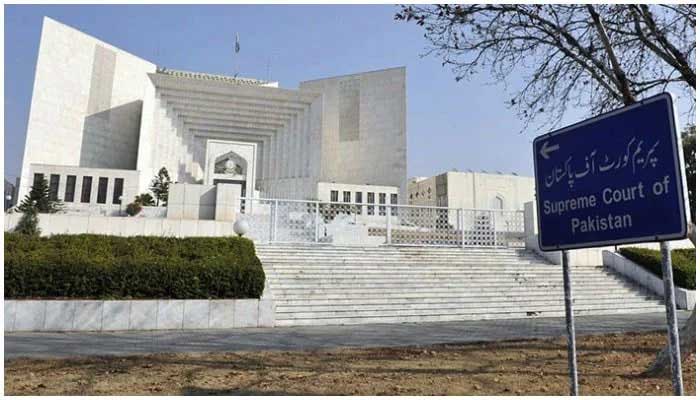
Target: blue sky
[(463, 125)]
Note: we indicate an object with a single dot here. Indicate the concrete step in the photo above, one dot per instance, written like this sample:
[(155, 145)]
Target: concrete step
[(470, 309), (321, 285), (405, 292), (389, 319), (436, 287), (384, 278), (449, 306), (395, 261), (377, 276), (463, 298), (425, 267)]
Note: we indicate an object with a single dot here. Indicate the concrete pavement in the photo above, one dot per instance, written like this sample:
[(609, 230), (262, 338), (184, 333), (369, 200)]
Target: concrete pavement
[(59, 345)]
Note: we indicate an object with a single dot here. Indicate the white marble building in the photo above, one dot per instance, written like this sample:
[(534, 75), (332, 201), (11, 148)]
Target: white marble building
[(103, 122), (472, 190)]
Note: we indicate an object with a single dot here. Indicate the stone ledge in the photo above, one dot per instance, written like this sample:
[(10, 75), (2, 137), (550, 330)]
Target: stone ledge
[(136, 315), (685, 299)]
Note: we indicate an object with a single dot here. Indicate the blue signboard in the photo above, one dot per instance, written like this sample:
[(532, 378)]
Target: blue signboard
[(612, 179)]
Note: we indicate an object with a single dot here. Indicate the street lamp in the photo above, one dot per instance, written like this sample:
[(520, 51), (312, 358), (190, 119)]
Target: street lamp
[(8, 199), (120, 206), (240, 228)]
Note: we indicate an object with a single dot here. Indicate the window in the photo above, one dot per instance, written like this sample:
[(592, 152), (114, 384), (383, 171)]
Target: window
[(37, 178), (394, 200), (86, 190), (53, 187), (102, 190), (70, 189), (370, 200), (346, 197), (497, 203), (334, 195), (118, 190), (382, 200), (358, 197)]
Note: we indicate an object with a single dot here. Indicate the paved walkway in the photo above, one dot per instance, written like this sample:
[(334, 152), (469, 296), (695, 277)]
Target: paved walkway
[(51, 344)]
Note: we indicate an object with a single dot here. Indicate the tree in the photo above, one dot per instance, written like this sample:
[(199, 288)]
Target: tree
[(598, 57), (145, 199), (688, 137), (39, 199), (160, 185), (29, 223), (594, 56)]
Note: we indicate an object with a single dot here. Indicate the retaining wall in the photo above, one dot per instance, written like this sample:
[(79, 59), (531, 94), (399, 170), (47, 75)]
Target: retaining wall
[(53, 224), (685, 299), (136, 315)]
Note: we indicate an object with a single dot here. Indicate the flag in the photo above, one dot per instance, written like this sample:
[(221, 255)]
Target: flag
[(237, 47)]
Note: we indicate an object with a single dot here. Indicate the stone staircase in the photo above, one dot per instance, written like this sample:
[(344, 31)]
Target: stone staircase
[(332, 285)]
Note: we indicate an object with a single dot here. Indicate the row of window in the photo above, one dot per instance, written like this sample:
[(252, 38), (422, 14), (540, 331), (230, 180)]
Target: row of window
[(347, 195), (86, 191)]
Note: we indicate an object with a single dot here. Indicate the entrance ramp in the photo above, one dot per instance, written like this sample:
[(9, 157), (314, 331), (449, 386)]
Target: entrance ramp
[(337, 285)]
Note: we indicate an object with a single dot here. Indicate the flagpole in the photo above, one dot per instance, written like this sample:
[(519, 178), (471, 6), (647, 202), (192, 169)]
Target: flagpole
[(236, 49)]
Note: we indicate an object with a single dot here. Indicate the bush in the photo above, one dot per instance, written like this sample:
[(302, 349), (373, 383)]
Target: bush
[(683, 261), (133, 208), (112, 267)]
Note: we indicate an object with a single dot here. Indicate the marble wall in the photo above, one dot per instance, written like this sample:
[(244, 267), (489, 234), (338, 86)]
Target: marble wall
[(364, 128), (86, 103)]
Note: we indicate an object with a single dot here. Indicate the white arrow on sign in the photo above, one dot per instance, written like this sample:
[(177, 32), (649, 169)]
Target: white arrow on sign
[(544, 150)]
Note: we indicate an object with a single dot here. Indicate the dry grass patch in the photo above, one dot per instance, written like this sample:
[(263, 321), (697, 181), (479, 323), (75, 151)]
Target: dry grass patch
[(608, 365)]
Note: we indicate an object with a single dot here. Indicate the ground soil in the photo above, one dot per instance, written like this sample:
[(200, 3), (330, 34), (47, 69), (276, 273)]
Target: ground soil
[(608, 365)]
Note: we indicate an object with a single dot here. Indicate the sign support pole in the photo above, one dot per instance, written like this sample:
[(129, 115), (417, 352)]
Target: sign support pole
[(570, 328), (670, 300)]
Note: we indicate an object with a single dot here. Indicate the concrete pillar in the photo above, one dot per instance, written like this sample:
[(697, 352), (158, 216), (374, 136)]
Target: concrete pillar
[(228, 201)]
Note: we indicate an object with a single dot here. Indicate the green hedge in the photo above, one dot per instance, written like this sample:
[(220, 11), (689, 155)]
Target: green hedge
[(683, 261), (112, 267)]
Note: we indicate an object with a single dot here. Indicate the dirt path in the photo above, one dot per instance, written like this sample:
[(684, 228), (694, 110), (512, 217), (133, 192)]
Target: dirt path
[(608, 365)]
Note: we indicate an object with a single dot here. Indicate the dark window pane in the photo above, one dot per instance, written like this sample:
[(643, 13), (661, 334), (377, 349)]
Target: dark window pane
[(334, 195), (370, 200), (382, 200), (87, 189), (102, 190), (358, 197), (118, 190), (53, 186), (37, 178), (70, 188), (346, 197), (394, 200)]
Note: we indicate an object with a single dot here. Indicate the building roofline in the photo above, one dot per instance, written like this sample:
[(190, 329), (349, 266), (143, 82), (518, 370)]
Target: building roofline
[(354, 74)]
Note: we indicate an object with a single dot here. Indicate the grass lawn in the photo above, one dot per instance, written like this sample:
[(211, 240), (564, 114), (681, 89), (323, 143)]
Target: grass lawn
[(608, 365)]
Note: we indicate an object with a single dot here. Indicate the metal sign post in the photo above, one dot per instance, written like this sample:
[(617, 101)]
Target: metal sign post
[(614, 179), (673, 340), (570, 327)]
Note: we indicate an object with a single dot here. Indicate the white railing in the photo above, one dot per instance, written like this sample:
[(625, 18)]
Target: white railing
[(294, 221)]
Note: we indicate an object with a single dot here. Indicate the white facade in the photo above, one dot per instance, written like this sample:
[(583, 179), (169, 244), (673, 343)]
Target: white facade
[(472, 190), (96, 106)]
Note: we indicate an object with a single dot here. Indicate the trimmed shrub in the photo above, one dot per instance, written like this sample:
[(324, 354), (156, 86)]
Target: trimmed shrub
[(112, 267), (133, 208), (683, 261)]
